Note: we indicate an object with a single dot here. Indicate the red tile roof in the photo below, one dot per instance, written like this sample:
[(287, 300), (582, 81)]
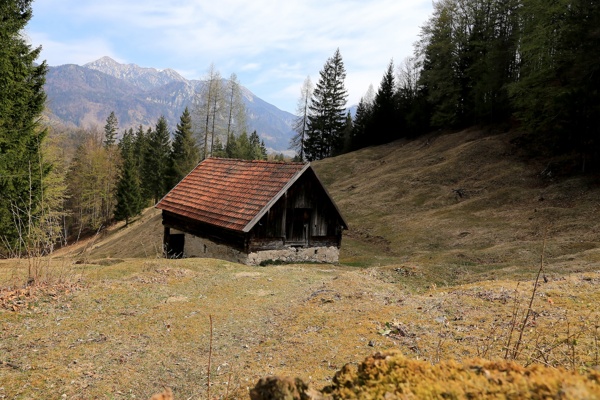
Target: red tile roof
[(230, 193)]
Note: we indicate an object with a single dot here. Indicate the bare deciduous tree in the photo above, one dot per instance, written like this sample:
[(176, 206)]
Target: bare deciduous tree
[(301, 122)]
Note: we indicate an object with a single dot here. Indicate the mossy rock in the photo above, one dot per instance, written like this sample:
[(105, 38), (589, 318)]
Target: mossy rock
[(390, 375)]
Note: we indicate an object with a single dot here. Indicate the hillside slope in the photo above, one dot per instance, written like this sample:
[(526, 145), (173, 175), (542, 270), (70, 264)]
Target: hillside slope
[(454, 208), (462, 206)]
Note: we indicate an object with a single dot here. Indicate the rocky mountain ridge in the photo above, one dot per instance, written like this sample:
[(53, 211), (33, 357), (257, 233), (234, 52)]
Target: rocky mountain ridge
[(85, 95)]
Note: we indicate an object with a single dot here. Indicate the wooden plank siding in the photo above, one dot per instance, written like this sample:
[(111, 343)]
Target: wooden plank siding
[(279, 224)]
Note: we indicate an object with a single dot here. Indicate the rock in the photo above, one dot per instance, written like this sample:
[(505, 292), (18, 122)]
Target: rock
[(283, 388)]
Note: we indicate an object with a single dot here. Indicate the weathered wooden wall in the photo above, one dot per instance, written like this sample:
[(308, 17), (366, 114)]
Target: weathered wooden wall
[(305, 207)]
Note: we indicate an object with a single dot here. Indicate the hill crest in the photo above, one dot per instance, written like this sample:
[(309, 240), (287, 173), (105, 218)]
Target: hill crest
[(143, 77)]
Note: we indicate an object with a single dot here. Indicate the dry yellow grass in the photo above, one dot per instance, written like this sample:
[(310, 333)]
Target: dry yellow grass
[(401, 205), (135, 327), (441, 278)]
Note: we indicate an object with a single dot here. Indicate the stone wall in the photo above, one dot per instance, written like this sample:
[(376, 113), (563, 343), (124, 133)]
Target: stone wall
[(204, 248), (293, 254), (199, 247)]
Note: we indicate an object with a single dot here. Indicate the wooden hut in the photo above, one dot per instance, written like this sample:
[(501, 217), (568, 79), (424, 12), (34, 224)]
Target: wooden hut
[(252, 212)]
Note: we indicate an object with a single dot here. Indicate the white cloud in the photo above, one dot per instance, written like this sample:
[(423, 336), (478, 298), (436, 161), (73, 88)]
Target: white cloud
[(72, 52), (271, 45), (250, 67)]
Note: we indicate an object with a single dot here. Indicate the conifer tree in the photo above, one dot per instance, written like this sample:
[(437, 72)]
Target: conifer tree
[(258, 152), (140, 148), (128, 196), (22, 169), (243, 147), (156, 160), (129, 199), (348, 134), (383, 126), (110, 137), (185, 154), (362, 119), (327, 117), (219, 150), (110, 130), (231, 148)]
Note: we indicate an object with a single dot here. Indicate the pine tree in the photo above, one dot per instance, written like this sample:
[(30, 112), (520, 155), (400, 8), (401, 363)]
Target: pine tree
[(438, 49), (327, 117), (231, 148), (243, 147), (22, 169), (110, 136), (348, 134), (383, 126), (129, 199), (129, 195), (362, 119), (156, 161), (140, 148), (185, 154), (110, 130), (411, 99), (219, 150), (256, 148), (557, 96)]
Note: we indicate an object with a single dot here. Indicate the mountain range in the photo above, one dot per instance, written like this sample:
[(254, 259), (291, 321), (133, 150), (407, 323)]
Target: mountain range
[(84, 96)]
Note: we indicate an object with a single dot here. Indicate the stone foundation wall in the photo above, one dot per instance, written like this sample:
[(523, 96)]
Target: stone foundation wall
[(293, 254), (204, 248), (199, 247)]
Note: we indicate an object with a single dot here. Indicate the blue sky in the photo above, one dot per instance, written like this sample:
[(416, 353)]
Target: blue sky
[(272, 46)]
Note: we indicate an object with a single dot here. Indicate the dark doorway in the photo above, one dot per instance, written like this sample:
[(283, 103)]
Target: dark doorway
[(176, 245)]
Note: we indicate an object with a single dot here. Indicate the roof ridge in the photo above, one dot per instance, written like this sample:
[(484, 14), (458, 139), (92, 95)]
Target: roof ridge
[(258, 161)]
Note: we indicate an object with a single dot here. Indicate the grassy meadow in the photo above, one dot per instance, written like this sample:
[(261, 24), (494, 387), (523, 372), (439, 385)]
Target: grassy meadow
[(447, 235)]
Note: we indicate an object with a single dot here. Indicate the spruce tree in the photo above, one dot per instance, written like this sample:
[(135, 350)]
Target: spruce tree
[(185, 154), (256, 147), (110, 138), (231, 148), (243, 147), (156, 161), (129, 199), (129, 196), (384, 126), (348, 134), (110, 130), (140, 148), (22, 99), (327, 117), (362, 119)]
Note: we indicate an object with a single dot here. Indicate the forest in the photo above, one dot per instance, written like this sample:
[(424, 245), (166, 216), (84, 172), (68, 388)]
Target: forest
[(530, 65)]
